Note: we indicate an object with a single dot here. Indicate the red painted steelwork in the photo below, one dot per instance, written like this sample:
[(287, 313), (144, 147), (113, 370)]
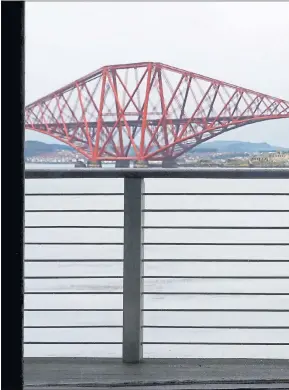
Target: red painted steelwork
[(146, 111)]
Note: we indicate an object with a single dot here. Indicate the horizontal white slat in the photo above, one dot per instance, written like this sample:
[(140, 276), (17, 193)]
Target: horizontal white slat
[(73, 350), (158, 202), (216, 269), (74, 235), (216, 319), (157, 185), (74, 269), (161, 285), (216, 202), (160, 219), (161, 235), (216, 352), (216, 185), (215, 219), (216, 302), (73, 252), (73, 219), (73, 302), (72, 318), (73, 186), (74, 285), (216, 285), (216, 252), (77, 335), (217, 335), (74, 202), (213, 236)]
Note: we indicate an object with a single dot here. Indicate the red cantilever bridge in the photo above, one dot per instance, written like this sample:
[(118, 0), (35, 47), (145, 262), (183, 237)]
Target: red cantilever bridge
[(146, 111)]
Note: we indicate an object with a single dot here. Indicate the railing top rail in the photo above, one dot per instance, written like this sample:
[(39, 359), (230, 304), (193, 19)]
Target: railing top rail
[(154, 173)]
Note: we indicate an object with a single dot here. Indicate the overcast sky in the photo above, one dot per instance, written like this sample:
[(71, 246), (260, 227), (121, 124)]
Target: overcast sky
[(242, 43)]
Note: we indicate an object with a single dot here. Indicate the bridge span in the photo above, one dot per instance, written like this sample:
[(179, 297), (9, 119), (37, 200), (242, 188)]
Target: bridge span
[(146, 111)]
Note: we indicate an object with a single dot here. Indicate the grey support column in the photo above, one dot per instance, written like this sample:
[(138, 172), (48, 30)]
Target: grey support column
[(133, 270)]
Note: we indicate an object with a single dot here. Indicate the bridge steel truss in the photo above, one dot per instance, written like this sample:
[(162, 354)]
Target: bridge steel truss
[(146, 111)]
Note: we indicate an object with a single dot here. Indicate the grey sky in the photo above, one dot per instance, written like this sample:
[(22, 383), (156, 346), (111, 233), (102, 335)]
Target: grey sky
[(243, 43)]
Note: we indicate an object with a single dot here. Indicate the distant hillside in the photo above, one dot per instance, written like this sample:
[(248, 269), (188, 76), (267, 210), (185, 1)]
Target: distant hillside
[(238, 147), (36, 148)]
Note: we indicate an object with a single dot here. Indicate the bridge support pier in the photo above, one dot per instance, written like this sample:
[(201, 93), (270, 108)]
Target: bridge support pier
[(141, 164), (79, 164), (169, 163), (122, 163), (94, 164)]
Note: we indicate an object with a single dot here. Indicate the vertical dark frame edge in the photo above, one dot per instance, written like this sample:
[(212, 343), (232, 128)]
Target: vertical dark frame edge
[(12, 39)]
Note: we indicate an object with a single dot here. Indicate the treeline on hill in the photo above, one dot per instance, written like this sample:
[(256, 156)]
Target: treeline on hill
[(36, 148)]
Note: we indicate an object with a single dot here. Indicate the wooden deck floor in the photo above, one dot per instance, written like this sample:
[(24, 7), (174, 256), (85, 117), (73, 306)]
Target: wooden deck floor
[(169, 374)]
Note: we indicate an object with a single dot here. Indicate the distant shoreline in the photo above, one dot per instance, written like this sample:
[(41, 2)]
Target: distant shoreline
[(49, 163)]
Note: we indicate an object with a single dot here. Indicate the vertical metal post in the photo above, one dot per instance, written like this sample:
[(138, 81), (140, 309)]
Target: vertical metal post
[(133, 270)]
